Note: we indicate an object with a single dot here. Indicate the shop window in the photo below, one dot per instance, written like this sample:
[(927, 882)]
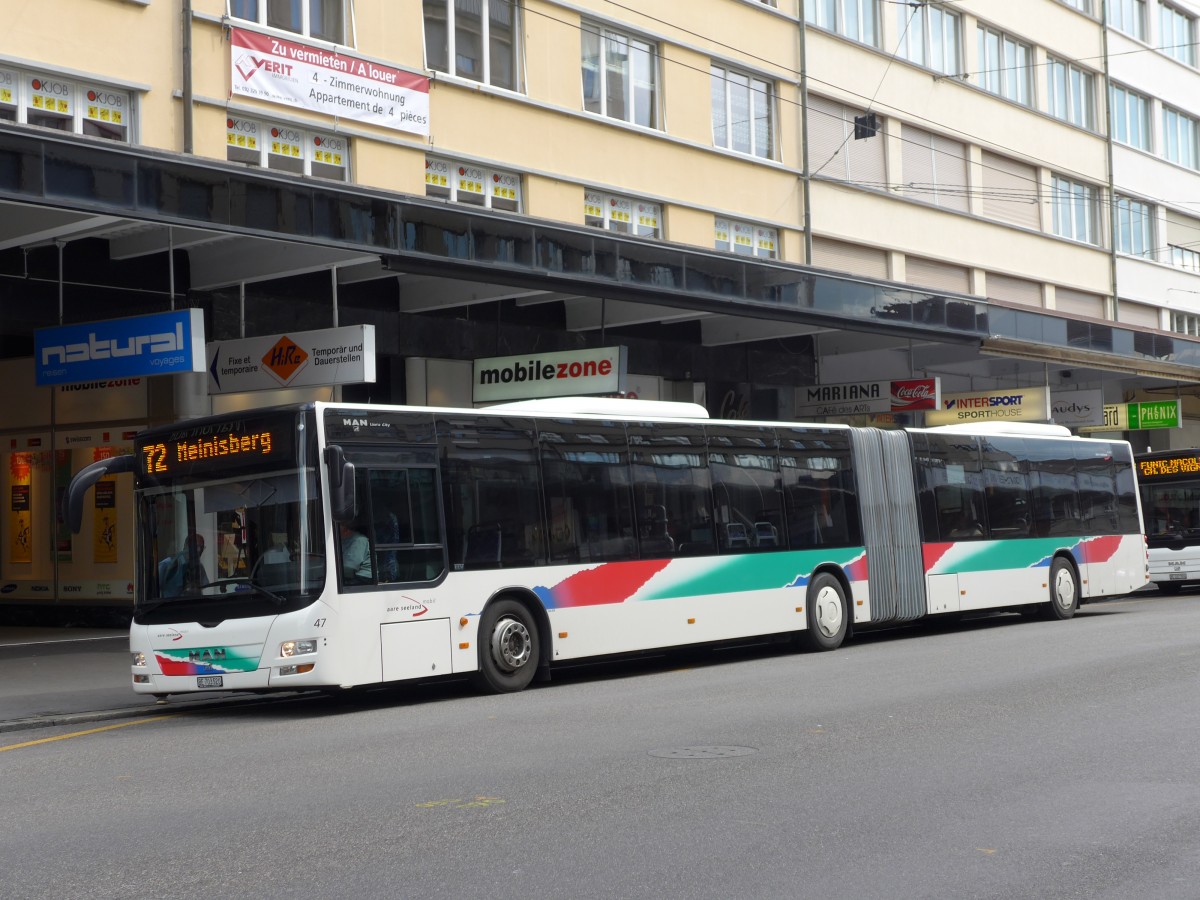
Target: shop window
[(462, 182), (321, 19), (625, 215), (287, 148), (76, 107), (746, 239)]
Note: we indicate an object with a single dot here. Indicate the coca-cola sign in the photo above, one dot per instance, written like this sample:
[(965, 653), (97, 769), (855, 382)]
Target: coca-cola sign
[(914, 394), (868, 397)]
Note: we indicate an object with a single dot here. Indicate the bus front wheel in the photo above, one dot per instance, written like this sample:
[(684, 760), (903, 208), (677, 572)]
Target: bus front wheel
[(827, 616), (1064, 590), (508, 648)]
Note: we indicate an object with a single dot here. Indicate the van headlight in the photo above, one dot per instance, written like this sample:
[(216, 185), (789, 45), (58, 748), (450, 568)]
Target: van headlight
[(297, 648)]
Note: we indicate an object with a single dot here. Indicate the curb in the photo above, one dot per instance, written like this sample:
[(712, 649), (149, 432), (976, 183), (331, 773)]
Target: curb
[(102, 715)]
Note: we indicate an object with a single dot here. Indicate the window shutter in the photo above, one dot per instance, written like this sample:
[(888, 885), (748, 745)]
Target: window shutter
[(934, 274), (854, 259), (1010, 191), (1014, 290), (1139, 314), (1079, 303)]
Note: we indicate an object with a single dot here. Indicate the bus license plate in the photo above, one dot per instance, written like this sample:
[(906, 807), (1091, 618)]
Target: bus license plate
[(210, 681), (1177, 576)]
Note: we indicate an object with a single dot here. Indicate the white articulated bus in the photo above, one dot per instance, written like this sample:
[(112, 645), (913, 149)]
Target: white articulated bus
[(327, 546)]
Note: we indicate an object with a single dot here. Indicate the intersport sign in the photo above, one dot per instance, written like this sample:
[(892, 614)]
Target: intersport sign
[(1029, 404)]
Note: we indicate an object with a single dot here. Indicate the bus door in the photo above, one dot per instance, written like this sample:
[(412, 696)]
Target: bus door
[(891, 531)]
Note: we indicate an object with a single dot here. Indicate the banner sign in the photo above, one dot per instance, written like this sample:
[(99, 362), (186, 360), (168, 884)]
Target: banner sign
[(598, 371), (158, 344), (319, 80), (868, 397), (1077, 409), (1141, 416), (300, 359), (1030, 404)]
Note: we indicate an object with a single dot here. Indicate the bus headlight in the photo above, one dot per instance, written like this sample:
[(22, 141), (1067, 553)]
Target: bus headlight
[(297, 648), (139, 659)]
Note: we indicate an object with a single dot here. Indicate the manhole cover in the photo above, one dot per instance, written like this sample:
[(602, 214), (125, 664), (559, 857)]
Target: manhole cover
[(703, 752)]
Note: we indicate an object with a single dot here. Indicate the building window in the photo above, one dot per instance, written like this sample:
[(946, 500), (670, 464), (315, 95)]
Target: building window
[(1072, 94), (462, 182), (1084, 6), (619, 76), (743, 113), (1075, 210), (1130, 118), (287, 148), (1005, 66), (1177, 34), (1128, 16), (1185, 323), (480, 37), (930, 36), (1185, 258), (77, 107), (855, 19), (622, 214), (323, 20), (746, 239), (1179, 138), (1135, 228)]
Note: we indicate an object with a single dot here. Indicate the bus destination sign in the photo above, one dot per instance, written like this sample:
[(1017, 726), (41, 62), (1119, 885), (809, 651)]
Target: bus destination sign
[(205, 448), (1188, 464)]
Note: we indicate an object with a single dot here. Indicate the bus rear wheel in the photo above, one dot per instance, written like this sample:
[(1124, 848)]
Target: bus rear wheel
[(826, 614), (508, 648), (1064, 590)]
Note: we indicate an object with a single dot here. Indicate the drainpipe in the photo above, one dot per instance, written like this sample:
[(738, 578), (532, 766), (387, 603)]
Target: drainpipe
[(187, 77), (1112, 187), (805, 173)]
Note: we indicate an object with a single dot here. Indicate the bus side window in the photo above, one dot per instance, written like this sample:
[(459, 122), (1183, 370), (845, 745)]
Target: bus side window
[(491, 495)]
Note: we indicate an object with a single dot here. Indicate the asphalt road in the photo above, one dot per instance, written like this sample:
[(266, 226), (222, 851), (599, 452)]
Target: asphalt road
[(997, 759)]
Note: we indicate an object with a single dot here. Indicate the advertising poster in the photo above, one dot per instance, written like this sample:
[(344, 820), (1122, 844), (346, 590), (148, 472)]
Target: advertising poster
[(104, 528), (20, 509), (338, 84), (62, 479)]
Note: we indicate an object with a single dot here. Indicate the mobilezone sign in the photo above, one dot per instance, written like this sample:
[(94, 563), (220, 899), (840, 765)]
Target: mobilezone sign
[(159, 344), (598, 371)]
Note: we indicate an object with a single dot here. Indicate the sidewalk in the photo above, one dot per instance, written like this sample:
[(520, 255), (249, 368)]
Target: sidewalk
[(66, 676)]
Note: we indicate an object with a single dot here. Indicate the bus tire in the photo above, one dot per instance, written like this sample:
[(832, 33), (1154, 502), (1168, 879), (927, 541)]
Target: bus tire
[(1064, 590), (509, 648), (826, 614)]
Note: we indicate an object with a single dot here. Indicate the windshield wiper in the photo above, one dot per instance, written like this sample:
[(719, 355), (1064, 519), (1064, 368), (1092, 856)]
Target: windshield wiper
[(275, 598)]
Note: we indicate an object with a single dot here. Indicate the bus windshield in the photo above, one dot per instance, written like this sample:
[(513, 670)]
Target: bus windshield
[(231, 523)]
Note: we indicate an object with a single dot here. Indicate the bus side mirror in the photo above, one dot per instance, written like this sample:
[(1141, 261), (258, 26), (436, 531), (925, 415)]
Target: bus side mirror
[(84, 479), (341, 484)]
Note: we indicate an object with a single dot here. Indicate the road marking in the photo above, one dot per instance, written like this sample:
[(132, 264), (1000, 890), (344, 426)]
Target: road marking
[(461, 804), (75, 734)]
